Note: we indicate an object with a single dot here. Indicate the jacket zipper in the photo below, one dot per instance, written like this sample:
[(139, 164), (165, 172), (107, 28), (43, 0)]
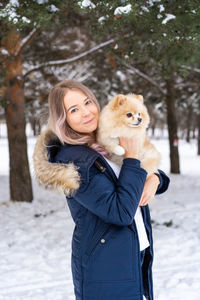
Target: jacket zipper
[(139, 268)]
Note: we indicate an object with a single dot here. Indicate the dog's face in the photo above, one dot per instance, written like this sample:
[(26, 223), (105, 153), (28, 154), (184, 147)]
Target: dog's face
[(130, 111)]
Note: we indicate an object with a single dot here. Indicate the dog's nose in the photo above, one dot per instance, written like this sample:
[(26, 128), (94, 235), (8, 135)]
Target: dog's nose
[(140, 120)]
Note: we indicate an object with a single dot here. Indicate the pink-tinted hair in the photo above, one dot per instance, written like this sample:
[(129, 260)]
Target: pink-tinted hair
[(57, 116)]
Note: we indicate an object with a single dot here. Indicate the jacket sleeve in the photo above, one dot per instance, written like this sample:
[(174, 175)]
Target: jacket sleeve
[(115, 203), (164, 182)]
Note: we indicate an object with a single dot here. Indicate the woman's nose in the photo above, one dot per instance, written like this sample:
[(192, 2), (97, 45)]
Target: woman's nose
[(85, 111)]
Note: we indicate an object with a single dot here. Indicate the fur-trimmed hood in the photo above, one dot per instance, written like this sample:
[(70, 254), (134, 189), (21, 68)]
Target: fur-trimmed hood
[(58, 176)]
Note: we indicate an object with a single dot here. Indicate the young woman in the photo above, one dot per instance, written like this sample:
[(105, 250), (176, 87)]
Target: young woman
[(112, 249)]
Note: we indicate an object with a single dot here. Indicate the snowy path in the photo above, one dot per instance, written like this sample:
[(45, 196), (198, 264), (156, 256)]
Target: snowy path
[(35, 247), (35, 239), (177, 255)]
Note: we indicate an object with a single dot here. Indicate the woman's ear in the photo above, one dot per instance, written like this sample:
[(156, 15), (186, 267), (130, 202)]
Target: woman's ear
[(119, 100)]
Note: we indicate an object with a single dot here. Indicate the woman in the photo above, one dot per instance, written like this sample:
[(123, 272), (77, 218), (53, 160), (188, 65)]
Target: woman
[(112, 241)]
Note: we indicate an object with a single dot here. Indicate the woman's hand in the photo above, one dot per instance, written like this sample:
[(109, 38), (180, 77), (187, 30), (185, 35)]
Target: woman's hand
[(150, 188), (131, 147)]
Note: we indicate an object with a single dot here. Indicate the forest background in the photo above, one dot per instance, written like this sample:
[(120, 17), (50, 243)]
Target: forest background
[(147, 47)]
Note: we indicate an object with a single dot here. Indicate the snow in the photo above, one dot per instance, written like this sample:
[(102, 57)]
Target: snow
[(14, 3), (35, 238), (162, 8), (168, 18), (26, 20), (122, 10), (86, 3), (10, 11), (151, 2), (102, 19), (42, 1), (116, 46), (121, 75), (4, 52), (159, 16), (53, 8), (144, 8)]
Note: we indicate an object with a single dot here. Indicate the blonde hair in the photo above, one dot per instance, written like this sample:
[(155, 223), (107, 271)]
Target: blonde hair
[(57, 116)]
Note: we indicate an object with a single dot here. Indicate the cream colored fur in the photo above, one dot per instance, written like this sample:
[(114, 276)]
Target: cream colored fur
[(114, 123), (61, 177)]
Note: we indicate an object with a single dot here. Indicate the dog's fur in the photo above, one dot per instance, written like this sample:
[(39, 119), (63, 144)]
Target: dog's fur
[(127, 116)]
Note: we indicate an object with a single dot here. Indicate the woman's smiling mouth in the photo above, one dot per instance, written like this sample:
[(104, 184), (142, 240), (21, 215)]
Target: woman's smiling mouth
[(89, 121)]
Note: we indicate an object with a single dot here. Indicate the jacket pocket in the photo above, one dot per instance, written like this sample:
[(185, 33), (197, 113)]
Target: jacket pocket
[(112, 256), (96, 238)]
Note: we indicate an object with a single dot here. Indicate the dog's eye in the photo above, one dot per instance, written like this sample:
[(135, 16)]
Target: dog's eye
[(139, 114), (129, 115)]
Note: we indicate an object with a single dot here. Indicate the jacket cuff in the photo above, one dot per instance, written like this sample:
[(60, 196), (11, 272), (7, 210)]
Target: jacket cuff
[(164, 182), (160, 179), (131, 162)]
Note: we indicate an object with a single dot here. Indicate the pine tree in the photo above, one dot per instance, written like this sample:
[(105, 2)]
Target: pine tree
[(21, 22), (163, 36)]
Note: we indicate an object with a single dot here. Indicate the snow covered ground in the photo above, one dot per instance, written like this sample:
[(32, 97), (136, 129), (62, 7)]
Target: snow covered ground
[(35, 238)]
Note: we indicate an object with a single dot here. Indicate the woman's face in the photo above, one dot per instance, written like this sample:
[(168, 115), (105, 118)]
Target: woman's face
[(81, 112)]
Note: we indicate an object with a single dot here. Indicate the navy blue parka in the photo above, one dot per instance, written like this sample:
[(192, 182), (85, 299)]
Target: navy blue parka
[(105, 257)]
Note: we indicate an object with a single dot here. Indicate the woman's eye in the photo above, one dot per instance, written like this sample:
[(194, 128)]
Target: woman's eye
[(88, 102), (73, 110)]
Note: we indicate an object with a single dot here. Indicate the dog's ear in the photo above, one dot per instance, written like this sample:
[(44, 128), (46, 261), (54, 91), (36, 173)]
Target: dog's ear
[(119, 100), (140, 97)]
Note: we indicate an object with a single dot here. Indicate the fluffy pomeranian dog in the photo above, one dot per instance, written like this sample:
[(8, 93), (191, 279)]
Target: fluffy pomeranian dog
[(127, 116)]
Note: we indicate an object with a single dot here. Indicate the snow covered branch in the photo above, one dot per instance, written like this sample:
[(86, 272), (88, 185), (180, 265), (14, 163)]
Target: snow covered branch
[(186, 85), (141, 74), (27, 40), (72, 59), (191, 69)]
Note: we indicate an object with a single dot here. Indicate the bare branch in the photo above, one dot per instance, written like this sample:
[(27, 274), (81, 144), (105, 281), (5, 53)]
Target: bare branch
[(27, 40), (191, 69), (186, 84), (72, 59), (141, 74)]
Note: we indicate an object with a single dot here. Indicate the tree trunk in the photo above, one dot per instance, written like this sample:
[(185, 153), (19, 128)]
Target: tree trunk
[(153, 131), (20, 179), (35, 126), (189, 119), (198, 123), (172, 127), (193, 132)]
